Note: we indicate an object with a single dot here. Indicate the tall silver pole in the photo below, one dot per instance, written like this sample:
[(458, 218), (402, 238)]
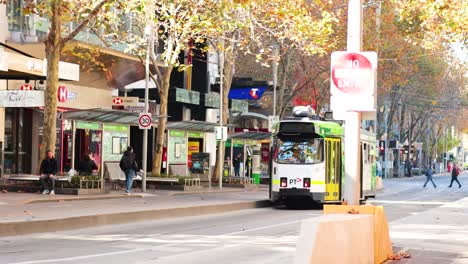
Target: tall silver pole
[(149, 49), (353, 119), (445, 148), (399, 138), (221, 94), (384, 164), (275, 75)]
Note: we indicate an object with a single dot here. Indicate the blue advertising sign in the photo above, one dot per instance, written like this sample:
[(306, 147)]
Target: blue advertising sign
[(247, 93)]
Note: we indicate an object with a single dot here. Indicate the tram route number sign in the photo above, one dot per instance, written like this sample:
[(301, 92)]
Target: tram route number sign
[(353, 82), (144, 121)]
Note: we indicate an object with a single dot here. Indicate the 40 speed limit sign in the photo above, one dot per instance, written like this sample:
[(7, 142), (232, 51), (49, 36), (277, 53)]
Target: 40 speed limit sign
[(144, 121)]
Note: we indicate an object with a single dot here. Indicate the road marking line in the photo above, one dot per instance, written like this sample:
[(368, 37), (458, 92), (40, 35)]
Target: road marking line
[(261, 228), (407, 202), (80, 257)]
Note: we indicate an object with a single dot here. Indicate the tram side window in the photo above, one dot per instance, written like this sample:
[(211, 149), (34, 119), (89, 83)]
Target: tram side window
[(300, 151)]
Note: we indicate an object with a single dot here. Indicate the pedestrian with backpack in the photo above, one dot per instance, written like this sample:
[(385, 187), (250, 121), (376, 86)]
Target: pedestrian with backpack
[(455, 173), (129, 166), (429, 173)]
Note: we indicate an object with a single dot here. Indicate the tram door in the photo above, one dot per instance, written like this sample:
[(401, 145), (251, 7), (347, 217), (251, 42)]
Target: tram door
[(332, 169)]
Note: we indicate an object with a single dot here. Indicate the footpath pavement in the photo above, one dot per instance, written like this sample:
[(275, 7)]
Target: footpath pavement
[(433, 236), (23, 213)]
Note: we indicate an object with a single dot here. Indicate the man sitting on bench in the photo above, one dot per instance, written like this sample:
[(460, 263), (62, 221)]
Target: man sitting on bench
[(49, 168)]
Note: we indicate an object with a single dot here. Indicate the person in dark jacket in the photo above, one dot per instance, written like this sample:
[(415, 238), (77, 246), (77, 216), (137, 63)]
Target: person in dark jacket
[(455, 173), (86, 166), (429, 173), (129, 166), (236, 164), (48, 170)]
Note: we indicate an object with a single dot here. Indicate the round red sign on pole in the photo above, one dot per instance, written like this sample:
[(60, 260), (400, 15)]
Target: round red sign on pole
[(144, 121), (352, 73)]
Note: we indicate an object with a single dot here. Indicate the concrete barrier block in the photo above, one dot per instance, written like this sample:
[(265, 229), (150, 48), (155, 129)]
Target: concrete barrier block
[(382, 244), (333, 239)]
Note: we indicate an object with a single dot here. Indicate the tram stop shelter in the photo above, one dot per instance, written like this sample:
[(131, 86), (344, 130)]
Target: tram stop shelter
[(103, 132), (244, 143)]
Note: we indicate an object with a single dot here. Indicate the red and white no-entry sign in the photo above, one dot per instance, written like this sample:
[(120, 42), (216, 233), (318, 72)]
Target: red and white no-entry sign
[(26, 87), (62, 94), (144, 121), (353, 82), (352, 73)]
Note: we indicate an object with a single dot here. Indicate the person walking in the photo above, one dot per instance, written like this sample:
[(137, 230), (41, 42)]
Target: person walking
[(408, 166), (429, 173), (455, 173), (378, 168), (129, 166), (48, 170), (236, 164)]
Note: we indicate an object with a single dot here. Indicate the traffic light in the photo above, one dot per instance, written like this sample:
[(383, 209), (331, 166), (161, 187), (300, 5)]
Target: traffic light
[(382, 147)]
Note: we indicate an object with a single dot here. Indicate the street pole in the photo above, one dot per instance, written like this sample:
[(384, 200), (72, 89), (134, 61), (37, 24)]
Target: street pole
[(149, 48), (221, 93), (428, 159), (353, 118), (399, 139), (445, 148), (275, 75), (419, 150), (384, 164)]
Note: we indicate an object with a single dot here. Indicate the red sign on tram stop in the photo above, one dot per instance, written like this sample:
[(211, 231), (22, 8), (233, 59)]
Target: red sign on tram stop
[(353, 82)]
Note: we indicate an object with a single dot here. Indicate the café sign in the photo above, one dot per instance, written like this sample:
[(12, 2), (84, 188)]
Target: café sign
[(18, 98)]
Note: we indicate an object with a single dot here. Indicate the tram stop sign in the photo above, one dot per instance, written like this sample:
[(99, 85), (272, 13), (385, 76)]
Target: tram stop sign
[(144, 121), (353, 83)]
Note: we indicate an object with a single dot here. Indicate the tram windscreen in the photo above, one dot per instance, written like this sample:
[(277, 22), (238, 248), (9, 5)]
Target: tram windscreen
[(299, 151)]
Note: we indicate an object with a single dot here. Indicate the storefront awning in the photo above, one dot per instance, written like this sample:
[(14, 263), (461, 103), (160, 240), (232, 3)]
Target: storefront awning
[(251, 135), (106, 116), (193, 125)]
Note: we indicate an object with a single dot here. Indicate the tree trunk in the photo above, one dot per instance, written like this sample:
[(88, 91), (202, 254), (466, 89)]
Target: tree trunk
[(163, 97), (53, 50)]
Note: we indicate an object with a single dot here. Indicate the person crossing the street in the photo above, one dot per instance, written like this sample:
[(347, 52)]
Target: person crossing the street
[(455, 173), (429, 173)]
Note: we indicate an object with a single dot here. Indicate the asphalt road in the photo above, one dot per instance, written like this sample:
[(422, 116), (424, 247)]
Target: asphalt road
[(265, 235)]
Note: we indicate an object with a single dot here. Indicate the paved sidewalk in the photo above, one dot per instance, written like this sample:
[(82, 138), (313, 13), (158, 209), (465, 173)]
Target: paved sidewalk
[(19, 215), (437, 235)]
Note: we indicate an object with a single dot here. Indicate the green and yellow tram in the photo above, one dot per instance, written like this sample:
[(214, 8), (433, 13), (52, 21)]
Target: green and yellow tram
[(308, 161)]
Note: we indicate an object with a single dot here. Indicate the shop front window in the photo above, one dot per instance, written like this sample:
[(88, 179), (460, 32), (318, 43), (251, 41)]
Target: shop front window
[(18, 145)]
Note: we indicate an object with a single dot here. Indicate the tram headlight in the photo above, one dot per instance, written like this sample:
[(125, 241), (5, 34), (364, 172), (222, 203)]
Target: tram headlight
[(284, 182), (306, 182)]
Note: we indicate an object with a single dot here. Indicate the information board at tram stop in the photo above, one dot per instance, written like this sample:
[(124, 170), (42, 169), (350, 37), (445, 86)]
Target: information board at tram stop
[(221, 133), (144, 121), (353, 83)]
